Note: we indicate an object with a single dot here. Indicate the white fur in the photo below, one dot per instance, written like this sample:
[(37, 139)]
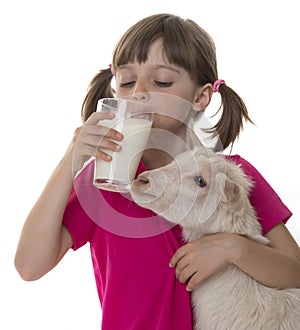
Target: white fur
[(229, 299)]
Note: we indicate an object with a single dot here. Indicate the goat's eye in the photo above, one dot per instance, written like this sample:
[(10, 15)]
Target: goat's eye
[(200, 181)]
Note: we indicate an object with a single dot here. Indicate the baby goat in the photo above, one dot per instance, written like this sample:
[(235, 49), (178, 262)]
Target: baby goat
[(207, 194)]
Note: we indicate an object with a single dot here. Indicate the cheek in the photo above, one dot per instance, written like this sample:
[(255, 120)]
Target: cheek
[(167, 123), (120, 94), (171, 109)]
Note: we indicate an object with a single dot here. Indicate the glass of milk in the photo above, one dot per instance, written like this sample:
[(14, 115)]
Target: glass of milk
[(134, 120)]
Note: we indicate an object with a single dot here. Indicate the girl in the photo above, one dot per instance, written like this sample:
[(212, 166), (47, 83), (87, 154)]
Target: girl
[(144, 280)]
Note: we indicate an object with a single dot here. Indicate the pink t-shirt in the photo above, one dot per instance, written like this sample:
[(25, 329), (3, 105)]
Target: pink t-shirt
[(269, 208), (131, 248)]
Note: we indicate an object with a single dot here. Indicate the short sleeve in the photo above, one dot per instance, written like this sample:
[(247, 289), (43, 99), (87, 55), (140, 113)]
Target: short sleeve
[(268, 206), (77, 222)]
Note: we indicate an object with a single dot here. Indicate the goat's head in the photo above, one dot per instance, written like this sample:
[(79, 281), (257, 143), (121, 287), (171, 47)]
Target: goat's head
[(193, 187)]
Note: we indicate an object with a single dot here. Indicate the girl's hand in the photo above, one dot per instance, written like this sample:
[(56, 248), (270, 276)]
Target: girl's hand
[(90, 137), (201, 258)]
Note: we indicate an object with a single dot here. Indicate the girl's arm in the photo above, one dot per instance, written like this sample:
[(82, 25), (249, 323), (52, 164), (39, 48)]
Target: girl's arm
[(44, 240), (277, 265)]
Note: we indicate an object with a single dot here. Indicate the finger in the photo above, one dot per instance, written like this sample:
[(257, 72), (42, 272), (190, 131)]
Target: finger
[(98, 142), (180, 266), (185, 274), (100, 154), (194, 282), (95, 126), (99, 130), (95, 117), (91, 142), (92, 151), (179, 254)]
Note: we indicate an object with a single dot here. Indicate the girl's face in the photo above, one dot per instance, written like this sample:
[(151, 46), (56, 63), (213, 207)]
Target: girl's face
[(160, 80)]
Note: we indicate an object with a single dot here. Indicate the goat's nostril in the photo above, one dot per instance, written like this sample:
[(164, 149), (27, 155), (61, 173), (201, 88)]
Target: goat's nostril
[(143, 180)]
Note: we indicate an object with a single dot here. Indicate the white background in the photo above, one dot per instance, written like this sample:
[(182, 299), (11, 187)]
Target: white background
[(50, 50)]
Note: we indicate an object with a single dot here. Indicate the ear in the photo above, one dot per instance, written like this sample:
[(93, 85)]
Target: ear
[(230, 192), (202, 97)]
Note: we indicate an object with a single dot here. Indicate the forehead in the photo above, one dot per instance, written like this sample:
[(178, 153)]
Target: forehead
[(152, 52), (166, 47), (156, 58), (156, 52), (202, 161)]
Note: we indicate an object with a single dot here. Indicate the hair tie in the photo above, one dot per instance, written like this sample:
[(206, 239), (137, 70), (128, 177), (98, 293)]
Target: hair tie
[(217, 84), (112, 69)]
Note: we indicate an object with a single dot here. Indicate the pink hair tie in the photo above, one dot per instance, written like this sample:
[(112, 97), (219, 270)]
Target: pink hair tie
[(217, 84), (112, 69)]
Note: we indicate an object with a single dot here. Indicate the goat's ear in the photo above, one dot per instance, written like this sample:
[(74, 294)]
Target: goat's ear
[(230, 191)]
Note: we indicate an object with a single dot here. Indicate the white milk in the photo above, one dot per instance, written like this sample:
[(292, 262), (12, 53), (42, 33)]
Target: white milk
[(118, 174)]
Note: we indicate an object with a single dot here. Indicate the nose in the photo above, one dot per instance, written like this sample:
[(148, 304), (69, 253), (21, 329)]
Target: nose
[(140, 92), (143, 179), (141, 96)]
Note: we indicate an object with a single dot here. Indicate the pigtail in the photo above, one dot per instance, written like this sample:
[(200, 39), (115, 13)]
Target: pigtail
[(230, 124), (100, 87)]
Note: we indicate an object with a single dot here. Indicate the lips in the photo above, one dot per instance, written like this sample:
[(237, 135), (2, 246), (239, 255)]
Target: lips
[(148, 186), (141, 192)]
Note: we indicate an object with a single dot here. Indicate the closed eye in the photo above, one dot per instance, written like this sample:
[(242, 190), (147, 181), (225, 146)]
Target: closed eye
[(127, 84), (200, 181), (163, 84)]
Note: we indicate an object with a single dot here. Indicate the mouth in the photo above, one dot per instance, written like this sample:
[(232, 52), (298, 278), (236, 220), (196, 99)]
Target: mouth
[(140, 191), (145, 190)]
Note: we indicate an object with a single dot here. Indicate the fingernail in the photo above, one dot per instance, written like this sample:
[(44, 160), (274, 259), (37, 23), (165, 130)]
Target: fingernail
[(118, 147), (119, 136)]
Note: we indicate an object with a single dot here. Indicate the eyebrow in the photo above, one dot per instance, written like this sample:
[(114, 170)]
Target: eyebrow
[(168, 67), (156, 66)]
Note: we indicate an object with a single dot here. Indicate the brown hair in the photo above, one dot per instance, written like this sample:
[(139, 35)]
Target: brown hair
[(186, 45)]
